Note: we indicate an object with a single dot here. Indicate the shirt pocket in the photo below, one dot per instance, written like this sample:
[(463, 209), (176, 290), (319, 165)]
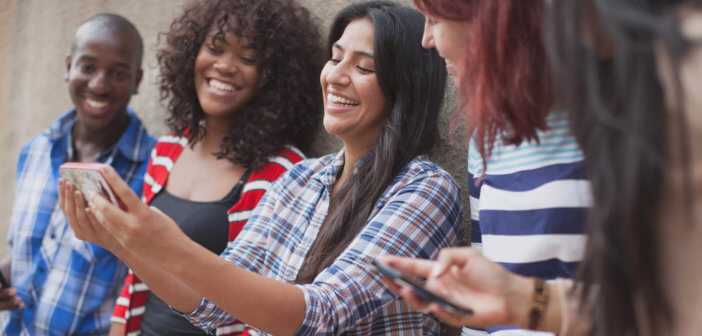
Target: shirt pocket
[(59, 240)]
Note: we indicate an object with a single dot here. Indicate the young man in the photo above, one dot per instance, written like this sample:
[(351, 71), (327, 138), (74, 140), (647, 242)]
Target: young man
[(61, 285)]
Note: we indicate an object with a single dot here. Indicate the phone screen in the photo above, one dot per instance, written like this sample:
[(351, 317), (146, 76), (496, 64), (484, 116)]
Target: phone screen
[(87, 177), (418, 286)]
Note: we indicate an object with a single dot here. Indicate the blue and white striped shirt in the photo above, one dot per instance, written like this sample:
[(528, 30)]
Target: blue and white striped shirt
[(69, 286), (418, 214), (528, 208)]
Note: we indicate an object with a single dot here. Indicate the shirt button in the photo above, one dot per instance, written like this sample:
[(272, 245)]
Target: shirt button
[(52, 236)]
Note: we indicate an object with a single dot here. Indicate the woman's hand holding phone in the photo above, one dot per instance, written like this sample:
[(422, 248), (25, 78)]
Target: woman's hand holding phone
[(467, 278), (140, 230), (419, 288), (82, 220), (87, 176)]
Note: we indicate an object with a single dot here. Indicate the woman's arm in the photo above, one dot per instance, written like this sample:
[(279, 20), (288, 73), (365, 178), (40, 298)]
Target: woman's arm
[(418, 220), (153, 246), (496, 296), (86, 227), (117, 329)]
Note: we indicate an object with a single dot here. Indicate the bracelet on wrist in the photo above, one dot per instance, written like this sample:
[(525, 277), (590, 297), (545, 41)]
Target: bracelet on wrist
[(539, 302)]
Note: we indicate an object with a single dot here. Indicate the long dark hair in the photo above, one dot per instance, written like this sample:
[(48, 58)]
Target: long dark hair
[(413, 79), (604, 57), (287, 108)]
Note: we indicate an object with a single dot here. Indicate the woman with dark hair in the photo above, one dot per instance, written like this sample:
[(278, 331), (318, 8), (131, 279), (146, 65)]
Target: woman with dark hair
[(630, 70), (528, 191), (300, 263), (239, 78)]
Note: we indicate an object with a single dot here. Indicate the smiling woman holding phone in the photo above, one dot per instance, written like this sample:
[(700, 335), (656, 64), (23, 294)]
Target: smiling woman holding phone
[(239, 78), (300, 265)]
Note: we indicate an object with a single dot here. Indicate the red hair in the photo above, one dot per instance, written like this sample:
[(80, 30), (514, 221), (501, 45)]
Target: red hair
[(506, 84)]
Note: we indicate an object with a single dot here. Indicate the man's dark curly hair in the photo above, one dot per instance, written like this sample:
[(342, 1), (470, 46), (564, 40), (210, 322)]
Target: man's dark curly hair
[(287, 107)]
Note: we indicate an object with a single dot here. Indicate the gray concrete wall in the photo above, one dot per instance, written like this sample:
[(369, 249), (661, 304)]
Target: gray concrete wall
[(34, 39)]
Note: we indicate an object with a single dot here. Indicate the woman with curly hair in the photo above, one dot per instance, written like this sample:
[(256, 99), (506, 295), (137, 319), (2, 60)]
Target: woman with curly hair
[(300, 265), (240, 80)]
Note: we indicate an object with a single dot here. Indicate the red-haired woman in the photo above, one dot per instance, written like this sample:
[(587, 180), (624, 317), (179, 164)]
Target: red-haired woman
[(528, 191), (630, 70)]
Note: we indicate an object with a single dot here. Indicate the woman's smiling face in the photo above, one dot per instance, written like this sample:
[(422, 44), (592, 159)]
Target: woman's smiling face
[(226, 76), (354, 104), (450, 38)]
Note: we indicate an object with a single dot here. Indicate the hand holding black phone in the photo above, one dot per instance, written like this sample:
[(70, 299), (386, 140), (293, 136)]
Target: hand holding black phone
[(418, 286)]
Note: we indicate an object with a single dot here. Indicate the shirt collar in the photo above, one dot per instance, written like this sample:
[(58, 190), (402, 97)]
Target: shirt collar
[(329, 173), (130, 145)]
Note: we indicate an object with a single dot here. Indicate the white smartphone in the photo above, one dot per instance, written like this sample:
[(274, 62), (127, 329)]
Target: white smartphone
[(86, 176)]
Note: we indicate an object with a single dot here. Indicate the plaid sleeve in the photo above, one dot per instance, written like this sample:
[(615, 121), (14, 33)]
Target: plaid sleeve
[(417, 220), (19, 178)]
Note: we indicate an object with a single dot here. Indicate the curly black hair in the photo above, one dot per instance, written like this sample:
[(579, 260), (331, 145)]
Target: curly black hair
[(286, 110)]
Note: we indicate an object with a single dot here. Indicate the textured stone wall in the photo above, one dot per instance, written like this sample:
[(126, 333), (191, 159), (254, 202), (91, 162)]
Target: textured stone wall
[(34, 39)]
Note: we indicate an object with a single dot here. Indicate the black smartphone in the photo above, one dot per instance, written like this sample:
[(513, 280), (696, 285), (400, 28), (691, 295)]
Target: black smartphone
[(417, 285), (3, 281)]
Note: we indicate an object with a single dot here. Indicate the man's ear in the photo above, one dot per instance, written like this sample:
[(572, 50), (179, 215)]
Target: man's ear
[(140, 75), (68, 65)]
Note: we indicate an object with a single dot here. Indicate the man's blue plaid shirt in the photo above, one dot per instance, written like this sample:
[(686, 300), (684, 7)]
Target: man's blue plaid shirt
[(68, 286)]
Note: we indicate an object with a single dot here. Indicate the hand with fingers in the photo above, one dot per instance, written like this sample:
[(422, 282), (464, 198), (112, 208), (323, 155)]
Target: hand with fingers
[(467, 278), (9, 299), (140, 230), (81, 219)]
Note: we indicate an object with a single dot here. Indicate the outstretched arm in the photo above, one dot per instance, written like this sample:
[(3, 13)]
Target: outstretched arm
[(176, 268)]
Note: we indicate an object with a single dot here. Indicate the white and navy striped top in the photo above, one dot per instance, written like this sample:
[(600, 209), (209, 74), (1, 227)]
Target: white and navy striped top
[(528, 207)]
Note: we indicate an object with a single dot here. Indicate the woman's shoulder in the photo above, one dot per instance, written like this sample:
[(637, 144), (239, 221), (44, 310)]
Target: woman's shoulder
[(288, 159), (311, 166), (422, 165), (426, 172), (170, 140)]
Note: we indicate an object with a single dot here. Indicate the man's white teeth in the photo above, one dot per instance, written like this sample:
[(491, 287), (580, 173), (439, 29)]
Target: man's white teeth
[(222, 86), (341, 100), (95, 104)]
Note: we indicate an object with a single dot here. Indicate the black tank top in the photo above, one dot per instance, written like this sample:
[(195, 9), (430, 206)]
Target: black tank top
[(207, 224)]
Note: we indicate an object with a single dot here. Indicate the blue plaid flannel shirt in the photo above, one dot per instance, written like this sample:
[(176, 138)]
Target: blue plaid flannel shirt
[(420, 213), (68, 286)]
